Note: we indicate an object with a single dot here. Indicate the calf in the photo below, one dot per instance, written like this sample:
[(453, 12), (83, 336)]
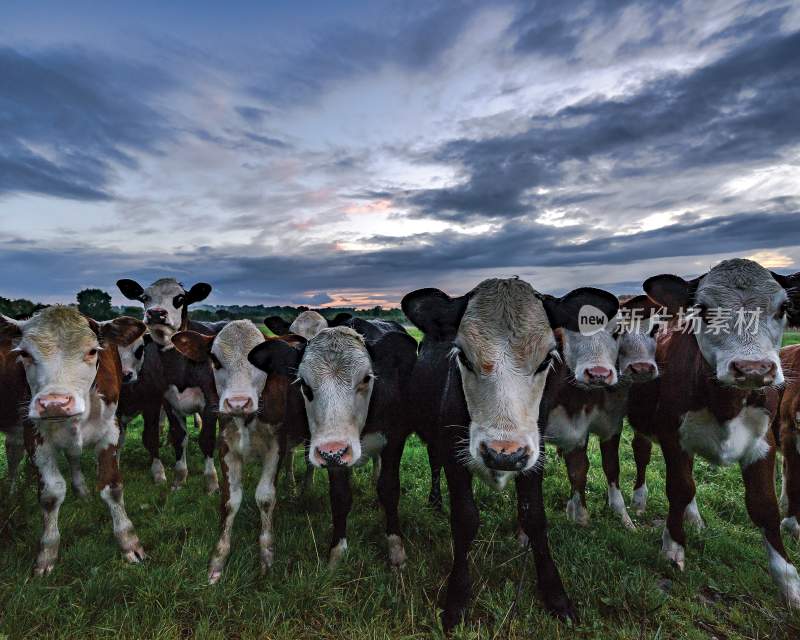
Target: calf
[(488, 400), (307, 324), (170, 380), (14, 397), (251, 413), (713, 398), (787, 426), (74, 375), (592, 398), (352, 390)]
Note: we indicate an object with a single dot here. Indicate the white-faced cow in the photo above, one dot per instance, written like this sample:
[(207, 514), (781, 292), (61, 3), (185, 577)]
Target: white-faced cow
[(352, 388), (594, 378), (307, 324), (713, 398), (73, 371), (171, 381), (489, 399)]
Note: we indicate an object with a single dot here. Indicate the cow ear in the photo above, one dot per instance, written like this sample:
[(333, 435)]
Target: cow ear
[(277, 325), (10, 328), (641, 302), (792, 285), (122, 331), (197, 293), (339, 319), (434, 312), (671, 292), (565, 312), (131, 289), (393, 350), (193, 345), (276, 357)]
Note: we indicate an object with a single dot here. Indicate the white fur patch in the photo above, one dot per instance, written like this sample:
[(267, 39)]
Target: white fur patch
[(738, 440), (617, 504), (791, 526), (567, 432), (397, 553), (692, 515), (372, 445), (785, 576), (672, 551), (576, 512), (337, 553), (186, 402), (157, 471), (640, 499)]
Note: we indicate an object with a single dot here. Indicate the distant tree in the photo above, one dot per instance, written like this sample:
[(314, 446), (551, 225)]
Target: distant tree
[(96, 304), (19, 308)]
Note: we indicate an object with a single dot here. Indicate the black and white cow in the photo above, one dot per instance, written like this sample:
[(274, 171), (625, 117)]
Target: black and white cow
[(487, 400)]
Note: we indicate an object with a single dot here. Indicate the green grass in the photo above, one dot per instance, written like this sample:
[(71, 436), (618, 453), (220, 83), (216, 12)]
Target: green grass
[(621, 588), (791, 337)]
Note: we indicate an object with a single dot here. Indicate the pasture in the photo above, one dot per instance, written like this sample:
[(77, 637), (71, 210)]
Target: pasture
[(620, 587)]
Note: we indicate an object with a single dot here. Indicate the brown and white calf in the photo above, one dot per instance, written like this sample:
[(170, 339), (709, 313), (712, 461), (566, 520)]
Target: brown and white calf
[(787, 425), (251, 414), (169, 380), (74, 375), (594, 380), (714, 396)]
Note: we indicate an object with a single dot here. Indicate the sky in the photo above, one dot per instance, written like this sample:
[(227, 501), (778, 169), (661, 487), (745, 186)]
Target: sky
[(345, 153)]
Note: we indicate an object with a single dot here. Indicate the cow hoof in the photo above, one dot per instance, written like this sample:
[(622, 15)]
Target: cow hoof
[(672, 551), (451, 618), (212, 486), (576, 512), (694, 519), (80, 490), (267, 558), (791, 527), (337, 553), (135, 553), (627, 522), (562, 608), (157, 471), (640, 500), (44, 567), (397, 553)]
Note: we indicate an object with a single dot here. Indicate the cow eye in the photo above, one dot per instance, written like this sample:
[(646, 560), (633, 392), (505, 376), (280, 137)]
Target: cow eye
[(783, 310), (139, 352), (24, 354), (462, 358), (307, 391), (91, 353), (177, 301), (546, 362), (366, 380), (215, 361)]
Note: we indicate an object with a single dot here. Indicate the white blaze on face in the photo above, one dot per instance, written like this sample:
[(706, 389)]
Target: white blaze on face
[(504, 343), (59, 351), (336, 380), (131, 359), (239, 384), (308, 324)]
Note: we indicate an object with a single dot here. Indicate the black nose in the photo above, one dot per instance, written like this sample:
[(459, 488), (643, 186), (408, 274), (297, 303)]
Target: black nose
[(504, 456), (127, 377), (335, 458), (157, 316)]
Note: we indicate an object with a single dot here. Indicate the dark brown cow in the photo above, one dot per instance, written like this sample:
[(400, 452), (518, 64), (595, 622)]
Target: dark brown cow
[(13, 398), (788, 428), (713, 398)]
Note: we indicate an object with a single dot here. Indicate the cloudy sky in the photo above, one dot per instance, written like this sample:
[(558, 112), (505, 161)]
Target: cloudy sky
[(348, 152)]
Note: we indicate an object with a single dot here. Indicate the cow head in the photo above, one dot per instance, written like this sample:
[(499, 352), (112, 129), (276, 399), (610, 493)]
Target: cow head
[(166, 304), (59, 349), (131, 358), (239, 384), (739, 311), (503, 338), (636, 339)]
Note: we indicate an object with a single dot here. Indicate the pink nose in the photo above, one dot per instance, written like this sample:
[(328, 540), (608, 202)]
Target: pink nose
[(334, 454), (55, 405), (598, 375), (238, 403), (754, 371), (642, 368)]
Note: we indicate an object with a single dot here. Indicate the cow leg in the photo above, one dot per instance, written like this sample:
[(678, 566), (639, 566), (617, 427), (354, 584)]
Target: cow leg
[(680, 493), (577, 468), (436, 462), (790, 494), (208, 440), (288, 471), (376, 470), (609, 453), (76, 475), (109, 482), (464, 522), (15, 451), (341, 498), (230, 497), (642, 450), (530, 511), (308, 477), (180, 440), (265, 499), (123, 434), (762, 505), (389, 495), (52, 489), (151, 438)]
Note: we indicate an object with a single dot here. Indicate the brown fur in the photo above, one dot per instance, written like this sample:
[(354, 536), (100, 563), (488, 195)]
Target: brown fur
[(787, 427)]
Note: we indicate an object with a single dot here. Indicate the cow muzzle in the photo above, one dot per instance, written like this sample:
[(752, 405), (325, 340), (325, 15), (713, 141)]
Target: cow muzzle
[(238, 405), (335, 453), (155, 316), (504, 455), (641, 371), (54, 406), (753, 374)]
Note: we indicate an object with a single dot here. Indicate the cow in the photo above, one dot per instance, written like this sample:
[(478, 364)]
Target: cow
[(352, 389), (307, 324), (714, 397), (787, 429), (251, 413), (74, 375), (489, 395), (171, 381), (594, 376), (15, 395)]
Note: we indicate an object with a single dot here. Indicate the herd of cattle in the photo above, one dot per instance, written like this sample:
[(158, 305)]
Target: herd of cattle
[(500, 371)]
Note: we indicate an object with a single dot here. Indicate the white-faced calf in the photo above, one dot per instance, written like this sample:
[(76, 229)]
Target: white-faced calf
[(74, 374)]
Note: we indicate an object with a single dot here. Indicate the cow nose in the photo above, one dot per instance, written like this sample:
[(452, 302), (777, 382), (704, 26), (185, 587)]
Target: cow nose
[(504, 455), (156, 315), (238, 403), (642, 369), (754, 371), (598, 375), (55, 405), (127, 378), (334, 454)]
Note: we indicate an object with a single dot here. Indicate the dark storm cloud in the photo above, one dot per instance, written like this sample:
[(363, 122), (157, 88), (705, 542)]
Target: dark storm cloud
[(68, 117), (741, 108), (309, 277)]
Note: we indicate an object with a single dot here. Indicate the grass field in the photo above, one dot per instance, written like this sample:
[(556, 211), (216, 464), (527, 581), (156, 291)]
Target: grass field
[(621, 588)]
